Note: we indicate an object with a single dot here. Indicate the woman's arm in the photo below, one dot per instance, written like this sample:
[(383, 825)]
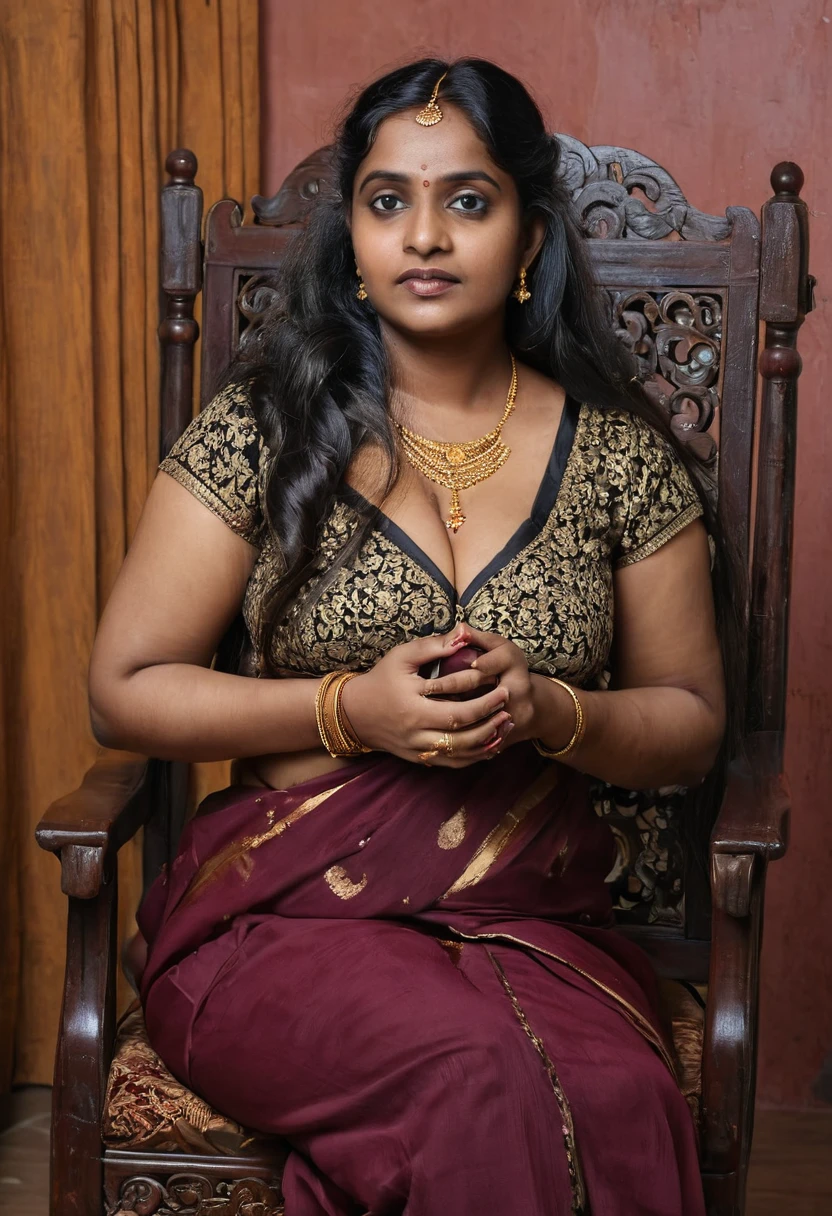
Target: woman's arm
[(151, 686), (663, 722)]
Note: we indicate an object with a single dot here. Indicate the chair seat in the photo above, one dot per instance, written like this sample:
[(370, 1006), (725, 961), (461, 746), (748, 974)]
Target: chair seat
[(147, 1109)]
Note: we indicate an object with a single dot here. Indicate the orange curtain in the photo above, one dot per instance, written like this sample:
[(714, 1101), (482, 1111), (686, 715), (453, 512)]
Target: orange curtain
[(93, 93)]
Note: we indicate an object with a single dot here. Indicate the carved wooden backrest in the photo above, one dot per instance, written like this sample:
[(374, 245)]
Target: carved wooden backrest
[(684, 291)]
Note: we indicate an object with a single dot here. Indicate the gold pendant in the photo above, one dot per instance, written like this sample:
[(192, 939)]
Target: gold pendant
[(456, 519), (458, 466)]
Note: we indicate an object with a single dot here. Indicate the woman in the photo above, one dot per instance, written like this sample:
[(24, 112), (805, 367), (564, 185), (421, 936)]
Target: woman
[(374, 943)]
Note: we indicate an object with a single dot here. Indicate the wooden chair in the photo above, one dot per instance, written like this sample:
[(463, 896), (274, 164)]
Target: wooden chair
[(687, 291)]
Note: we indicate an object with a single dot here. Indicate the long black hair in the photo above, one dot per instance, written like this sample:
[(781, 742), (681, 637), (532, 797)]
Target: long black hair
[(317, 365)]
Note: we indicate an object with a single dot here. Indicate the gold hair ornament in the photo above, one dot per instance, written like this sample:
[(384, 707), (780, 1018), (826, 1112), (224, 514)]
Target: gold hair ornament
[(431, 114)]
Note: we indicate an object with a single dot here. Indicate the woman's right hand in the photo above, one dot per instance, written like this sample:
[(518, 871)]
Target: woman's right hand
[(390, 712)]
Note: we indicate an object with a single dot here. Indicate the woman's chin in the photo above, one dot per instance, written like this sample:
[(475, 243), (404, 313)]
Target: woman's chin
[(429, 319)]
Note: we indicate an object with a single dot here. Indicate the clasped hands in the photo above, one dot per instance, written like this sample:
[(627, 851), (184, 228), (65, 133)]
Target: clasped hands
[(393, 709)]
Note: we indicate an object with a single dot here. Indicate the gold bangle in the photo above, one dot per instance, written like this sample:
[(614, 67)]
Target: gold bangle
[(323, 726), (339, 745), (334, 728), (578, 733), (342, 722)]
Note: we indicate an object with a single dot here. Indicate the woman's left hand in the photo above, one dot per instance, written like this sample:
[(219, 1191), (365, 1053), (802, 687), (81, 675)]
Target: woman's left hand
[(505, 661)]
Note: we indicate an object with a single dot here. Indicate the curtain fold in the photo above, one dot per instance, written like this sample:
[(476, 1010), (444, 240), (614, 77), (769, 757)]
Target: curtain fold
[(93, 94)]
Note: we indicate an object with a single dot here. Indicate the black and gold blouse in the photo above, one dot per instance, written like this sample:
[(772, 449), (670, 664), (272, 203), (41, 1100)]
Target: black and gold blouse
[(613, 492)]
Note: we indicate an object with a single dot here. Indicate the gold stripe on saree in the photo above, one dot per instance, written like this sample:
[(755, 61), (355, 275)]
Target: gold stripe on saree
[(498, 839), (238, 851)]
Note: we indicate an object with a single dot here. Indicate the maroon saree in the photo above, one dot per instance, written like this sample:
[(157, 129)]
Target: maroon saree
[(409, 974)]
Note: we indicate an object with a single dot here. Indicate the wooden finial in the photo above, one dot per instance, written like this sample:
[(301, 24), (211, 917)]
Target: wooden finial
[(181, 166), (787, 178)]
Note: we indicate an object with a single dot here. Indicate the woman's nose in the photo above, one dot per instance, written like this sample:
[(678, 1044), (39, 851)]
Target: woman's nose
[(427, 231)]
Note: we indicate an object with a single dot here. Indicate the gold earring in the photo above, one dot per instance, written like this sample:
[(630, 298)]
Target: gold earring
[(521, 292), (362, 290)]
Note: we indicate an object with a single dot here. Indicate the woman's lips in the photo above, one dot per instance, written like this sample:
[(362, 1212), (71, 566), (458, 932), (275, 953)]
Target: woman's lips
[(429, 287)]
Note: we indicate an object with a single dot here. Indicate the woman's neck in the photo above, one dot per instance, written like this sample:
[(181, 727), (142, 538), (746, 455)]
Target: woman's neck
[(452, 381)]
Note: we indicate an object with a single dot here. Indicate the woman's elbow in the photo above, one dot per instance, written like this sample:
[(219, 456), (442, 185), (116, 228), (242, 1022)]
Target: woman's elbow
[(104, 729), (107, 705), (700, 763), (105, 723)]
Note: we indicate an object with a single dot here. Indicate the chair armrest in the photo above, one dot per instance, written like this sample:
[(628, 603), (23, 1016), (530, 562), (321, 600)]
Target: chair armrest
[(754, 817), (108, 808)]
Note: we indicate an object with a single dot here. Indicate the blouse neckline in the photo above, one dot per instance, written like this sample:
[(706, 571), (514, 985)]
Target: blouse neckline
[(544, 504)]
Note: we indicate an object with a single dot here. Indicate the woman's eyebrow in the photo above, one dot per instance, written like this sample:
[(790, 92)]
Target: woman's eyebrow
[(463, 175), (384, 175), (471, 175)]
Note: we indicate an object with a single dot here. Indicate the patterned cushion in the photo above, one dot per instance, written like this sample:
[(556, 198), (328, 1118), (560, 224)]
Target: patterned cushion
[(683, 1006), (147, 1108)]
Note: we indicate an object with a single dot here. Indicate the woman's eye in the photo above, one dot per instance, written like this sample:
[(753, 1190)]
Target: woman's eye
[(469, 202), (386, 202)]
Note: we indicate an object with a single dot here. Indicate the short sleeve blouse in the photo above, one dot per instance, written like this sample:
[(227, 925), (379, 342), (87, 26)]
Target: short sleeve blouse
[(220, 458), (614, 492)]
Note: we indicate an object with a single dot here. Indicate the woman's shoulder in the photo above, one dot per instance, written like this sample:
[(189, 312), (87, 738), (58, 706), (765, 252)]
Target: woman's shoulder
[(229, 412), (650, 493), (220, 458)]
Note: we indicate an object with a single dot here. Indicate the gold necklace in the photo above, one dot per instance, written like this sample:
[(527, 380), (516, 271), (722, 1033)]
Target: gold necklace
[(458, 466)]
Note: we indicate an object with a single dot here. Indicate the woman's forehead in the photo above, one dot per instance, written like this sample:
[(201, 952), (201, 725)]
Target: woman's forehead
[(452, 145)]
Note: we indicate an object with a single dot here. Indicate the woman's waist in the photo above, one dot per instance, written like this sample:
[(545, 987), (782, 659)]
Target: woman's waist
[(378, 836), (284, 770)]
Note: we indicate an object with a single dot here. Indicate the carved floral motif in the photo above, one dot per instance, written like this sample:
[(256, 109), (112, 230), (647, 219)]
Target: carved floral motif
[(295, 198), (190, 1194), (676, 338), (601, 181)]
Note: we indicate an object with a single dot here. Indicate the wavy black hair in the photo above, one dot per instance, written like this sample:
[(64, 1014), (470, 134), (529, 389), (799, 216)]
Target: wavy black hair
[(317, 365)]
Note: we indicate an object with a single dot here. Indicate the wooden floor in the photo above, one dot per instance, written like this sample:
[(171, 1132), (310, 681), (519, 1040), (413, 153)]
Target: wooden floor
[(791, 1172), (791, 1164)]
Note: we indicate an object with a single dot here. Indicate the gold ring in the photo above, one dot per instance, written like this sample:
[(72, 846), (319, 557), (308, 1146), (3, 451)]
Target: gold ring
[(446, 743), (425, 757)]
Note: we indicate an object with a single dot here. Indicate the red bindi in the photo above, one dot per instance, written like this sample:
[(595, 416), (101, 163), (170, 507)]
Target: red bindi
[(425, 183), (423, 166)]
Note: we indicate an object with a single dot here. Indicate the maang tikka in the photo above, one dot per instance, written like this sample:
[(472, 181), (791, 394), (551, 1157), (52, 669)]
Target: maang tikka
[(431, 114)]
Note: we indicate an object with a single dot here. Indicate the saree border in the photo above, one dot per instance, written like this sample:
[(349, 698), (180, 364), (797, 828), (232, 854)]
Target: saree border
[(637, 1019), (573, 1161)]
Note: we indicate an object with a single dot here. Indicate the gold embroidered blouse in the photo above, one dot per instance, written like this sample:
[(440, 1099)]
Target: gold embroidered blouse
[(613, 492)]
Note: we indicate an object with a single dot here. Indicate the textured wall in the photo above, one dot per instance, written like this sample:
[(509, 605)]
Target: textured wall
[(717, 92)]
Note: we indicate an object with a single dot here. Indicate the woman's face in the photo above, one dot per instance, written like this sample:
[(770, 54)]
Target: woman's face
[(430, 199)]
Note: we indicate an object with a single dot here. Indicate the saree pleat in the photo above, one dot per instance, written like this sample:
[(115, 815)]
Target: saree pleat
[(414, 974)]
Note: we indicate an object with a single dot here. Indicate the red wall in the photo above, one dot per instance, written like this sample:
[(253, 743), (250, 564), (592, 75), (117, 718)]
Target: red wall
[(717, 92)]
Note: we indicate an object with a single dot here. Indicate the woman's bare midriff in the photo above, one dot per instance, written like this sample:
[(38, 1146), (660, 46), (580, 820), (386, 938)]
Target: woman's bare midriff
[(279, 772)]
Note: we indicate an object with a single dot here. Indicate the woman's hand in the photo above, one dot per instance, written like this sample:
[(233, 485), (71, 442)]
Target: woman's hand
[(537, 707), (390, 708)]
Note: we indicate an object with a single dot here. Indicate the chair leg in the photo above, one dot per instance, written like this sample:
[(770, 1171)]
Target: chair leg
[(83, 1056), (724, 1194)]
